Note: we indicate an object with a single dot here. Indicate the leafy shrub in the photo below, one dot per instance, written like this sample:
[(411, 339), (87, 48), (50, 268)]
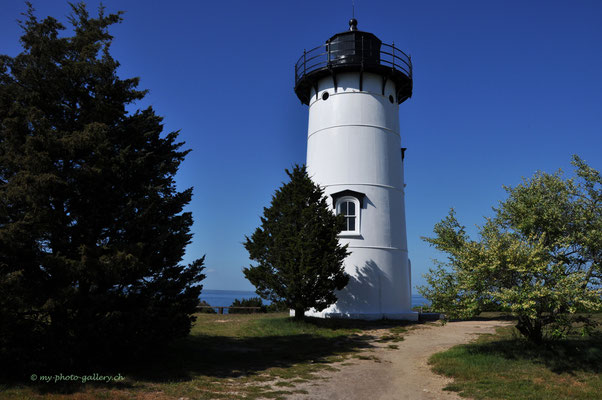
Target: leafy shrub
[(278, 306), (252, 302), (203, 303)]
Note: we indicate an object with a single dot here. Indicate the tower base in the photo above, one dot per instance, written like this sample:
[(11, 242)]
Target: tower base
[(406, 316)]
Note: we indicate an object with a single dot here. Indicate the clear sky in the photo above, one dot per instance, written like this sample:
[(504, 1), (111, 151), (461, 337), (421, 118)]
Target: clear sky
[(501, 89)]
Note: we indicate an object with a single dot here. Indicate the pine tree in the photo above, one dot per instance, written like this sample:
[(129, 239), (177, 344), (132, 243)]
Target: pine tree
[(92, 228), (299, 258)]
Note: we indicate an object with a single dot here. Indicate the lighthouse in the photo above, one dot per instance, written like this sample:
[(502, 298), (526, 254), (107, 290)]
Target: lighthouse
[(353, 85)]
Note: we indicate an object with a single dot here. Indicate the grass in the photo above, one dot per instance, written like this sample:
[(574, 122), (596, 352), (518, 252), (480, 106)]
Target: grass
[(237, 356), (506, 366)]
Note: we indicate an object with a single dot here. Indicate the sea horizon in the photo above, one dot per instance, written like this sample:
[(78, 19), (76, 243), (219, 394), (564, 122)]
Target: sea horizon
[(224, 297)]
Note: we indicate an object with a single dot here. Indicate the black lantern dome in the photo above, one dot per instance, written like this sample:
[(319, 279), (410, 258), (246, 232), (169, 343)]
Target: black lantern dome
[(353, 50)]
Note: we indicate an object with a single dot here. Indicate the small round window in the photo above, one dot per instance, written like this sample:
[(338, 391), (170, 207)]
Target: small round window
[(325, 96), (391, 99)]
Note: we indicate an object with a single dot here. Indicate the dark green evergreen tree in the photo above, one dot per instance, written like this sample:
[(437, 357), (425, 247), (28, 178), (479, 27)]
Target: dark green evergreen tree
[(92, 228), (299, 258)]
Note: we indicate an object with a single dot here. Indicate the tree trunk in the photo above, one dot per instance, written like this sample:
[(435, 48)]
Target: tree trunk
[(299, 314), (531, 329)]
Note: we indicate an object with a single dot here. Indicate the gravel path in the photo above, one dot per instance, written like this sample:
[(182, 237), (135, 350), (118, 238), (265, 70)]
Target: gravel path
[(401, 373)]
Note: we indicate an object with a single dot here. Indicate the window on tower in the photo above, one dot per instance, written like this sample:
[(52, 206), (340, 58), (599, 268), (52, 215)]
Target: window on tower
[(350, 208)]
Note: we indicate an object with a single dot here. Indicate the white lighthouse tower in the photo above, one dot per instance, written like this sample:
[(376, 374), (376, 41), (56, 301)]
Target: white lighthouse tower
[(353, 85)]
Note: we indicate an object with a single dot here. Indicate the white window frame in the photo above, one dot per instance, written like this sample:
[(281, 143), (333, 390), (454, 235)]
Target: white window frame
[(358, 211)]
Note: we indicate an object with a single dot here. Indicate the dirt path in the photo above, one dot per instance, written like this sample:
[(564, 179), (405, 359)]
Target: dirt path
[(401, 373)]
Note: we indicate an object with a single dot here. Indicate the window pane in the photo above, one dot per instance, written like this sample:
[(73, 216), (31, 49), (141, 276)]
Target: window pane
[(351, 208), (351, 223), (343, 208)]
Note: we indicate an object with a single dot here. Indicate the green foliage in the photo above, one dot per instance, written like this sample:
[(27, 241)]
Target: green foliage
[(206, 309), (230, 357), (91, 224), (252, 302), (539, 258), (277, 306), (299, 258)]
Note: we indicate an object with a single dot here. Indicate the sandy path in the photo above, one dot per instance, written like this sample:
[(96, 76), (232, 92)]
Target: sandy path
[(402, 373)]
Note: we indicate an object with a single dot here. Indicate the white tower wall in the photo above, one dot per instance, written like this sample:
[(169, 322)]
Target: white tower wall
[(354, 144)]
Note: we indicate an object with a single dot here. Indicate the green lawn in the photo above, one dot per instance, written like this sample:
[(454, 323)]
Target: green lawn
[(239, 356), (505, 366)]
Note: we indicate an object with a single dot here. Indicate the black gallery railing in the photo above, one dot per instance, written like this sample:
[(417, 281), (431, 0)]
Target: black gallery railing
[(340, 53)]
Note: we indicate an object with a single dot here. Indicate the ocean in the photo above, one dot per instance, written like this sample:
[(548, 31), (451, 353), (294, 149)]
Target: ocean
[(224, 298)]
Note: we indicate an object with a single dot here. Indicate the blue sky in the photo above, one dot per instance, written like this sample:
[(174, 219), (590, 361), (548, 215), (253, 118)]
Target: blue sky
[(501, 89)]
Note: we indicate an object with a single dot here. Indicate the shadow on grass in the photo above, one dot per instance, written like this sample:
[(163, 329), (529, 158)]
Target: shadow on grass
[(357, 324), (218, 356), (227, 357), (224, 357), (559, 356)]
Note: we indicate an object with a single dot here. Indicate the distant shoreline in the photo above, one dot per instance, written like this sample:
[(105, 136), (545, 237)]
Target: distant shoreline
[(224, 298)]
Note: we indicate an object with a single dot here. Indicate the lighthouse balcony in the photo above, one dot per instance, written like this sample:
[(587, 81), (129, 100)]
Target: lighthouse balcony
[(353, 51)]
